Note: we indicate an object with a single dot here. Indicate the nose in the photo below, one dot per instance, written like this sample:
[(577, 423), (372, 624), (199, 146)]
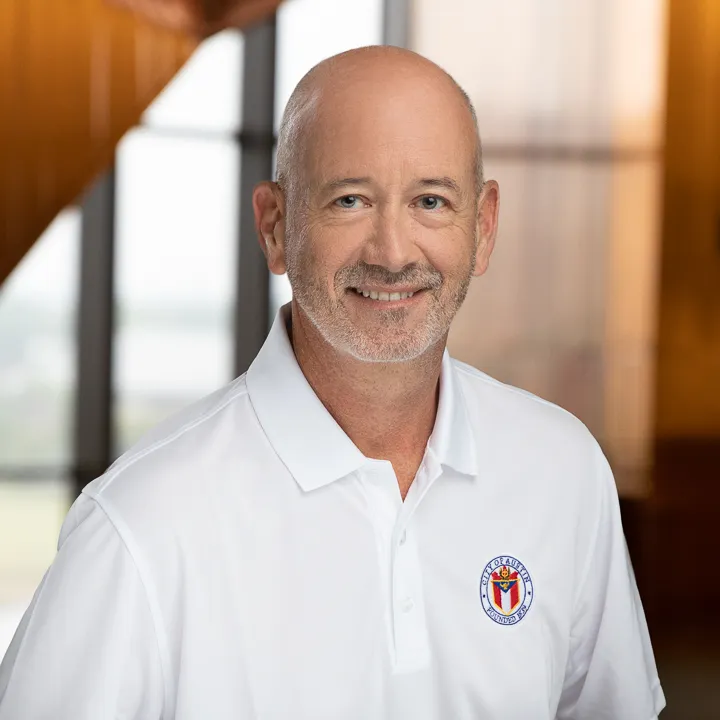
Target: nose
[(392, 244)]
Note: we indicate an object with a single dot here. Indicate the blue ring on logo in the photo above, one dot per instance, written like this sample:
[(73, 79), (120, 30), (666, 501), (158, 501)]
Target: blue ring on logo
[(525, 599)]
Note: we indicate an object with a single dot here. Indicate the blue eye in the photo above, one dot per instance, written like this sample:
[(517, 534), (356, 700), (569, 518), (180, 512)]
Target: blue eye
[(431, 202), (348, 202)]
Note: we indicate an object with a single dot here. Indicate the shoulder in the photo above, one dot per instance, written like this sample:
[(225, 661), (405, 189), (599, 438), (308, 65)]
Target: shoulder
[(173, 464), (541, 460), (522, 414), (532, 443)]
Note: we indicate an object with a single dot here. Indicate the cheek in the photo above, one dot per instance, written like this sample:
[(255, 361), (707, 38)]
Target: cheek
[(451, 253), (329, 250)]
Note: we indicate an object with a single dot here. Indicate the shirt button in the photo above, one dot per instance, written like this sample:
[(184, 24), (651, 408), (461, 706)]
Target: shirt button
[(407, 605), (403, 537)]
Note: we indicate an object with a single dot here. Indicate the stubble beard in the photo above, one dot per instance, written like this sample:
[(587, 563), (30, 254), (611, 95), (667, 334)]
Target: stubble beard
[(390, 341)]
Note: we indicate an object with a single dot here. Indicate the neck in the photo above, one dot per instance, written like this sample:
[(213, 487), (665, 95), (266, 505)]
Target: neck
[(387, 409)]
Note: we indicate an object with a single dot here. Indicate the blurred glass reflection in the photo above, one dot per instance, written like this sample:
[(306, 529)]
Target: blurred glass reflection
[(309, 31), (177, 219), (176, 242), (206, 95), (38, 307)]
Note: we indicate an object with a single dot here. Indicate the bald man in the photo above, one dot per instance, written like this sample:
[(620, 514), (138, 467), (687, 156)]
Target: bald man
[(360, 527)]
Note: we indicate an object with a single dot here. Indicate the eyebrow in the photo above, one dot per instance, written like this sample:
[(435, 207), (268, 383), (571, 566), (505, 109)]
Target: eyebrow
[(341, 183), (443, 182)]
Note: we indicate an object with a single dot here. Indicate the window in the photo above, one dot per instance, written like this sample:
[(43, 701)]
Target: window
[(37, 353), (177, 211), (38, 306), (176, 234)]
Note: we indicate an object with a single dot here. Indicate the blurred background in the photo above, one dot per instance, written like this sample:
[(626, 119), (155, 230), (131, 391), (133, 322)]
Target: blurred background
[(131, 282)]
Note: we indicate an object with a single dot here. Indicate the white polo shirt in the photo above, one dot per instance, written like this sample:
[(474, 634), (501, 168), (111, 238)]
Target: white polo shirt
[(245, 561)]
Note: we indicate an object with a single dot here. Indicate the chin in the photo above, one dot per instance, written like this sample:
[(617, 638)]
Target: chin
[(397, 341), (383, 358), (383, 350)]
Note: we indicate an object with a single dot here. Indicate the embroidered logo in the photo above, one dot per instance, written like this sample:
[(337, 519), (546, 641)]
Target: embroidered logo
[(506, 590)]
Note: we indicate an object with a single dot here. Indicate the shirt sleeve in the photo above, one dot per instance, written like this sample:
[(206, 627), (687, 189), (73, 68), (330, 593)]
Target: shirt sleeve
[(611, 672), (86, 648)]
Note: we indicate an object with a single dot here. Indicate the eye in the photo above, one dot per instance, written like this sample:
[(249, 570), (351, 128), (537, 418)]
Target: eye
[(349, 202), (431, 202)]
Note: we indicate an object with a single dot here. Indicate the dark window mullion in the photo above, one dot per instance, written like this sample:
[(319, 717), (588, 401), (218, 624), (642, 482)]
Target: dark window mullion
[(252, 285), (93, 406), (396, 16)]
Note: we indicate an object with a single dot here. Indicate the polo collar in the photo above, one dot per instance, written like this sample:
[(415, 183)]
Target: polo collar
[(453, 440), (308, 440)]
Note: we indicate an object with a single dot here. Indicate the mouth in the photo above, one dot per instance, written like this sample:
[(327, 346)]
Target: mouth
[(385, 298)]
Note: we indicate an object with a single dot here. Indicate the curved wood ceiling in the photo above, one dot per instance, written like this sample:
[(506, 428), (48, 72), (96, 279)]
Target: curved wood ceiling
[(75, 75)]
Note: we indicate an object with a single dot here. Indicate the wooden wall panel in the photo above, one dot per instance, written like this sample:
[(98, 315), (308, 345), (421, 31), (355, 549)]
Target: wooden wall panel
[(688, 368), (682, 516), (74, 76)]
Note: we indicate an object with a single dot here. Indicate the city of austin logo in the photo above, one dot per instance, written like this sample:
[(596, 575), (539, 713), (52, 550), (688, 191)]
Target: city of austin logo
[(506, 590)]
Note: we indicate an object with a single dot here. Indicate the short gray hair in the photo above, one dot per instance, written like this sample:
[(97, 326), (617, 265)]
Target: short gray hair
[(301, 102)]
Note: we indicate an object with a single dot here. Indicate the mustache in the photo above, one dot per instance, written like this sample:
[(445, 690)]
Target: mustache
[(363, 273)]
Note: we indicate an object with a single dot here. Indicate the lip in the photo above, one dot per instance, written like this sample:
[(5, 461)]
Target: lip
[(386, 304), (393, 289)]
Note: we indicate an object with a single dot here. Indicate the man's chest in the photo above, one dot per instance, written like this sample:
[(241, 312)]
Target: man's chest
[(376, 614)]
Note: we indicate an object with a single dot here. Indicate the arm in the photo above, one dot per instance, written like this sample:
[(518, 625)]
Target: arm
[(611, 673), (86, 648)]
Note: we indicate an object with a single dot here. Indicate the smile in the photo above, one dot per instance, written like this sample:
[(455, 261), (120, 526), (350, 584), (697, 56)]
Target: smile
[(384, 296)]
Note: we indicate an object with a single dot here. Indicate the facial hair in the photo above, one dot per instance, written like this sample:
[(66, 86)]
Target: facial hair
[(389, 340)]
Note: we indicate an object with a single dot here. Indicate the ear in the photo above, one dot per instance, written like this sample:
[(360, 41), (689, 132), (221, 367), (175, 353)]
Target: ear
[(487, 225), (269, 208)]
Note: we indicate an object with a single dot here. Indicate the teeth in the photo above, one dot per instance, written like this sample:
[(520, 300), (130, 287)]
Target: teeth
[(383, 296)]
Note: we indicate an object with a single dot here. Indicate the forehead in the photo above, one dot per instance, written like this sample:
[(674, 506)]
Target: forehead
[(389, 132)]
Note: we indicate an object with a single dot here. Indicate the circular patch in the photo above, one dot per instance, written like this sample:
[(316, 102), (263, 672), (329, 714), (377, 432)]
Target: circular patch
[(506, 590)]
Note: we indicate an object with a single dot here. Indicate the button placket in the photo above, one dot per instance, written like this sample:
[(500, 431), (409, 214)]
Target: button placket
[(399, 562), (410, 631), (385, 506)]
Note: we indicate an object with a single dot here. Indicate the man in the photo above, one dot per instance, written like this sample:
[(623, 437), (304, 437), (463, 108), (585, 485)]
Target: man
[(359, 527)]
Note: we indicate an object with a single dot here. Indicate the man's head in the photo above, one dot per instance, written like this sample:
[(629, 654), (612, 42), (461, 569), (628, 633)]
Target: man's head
[(380, 194)]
